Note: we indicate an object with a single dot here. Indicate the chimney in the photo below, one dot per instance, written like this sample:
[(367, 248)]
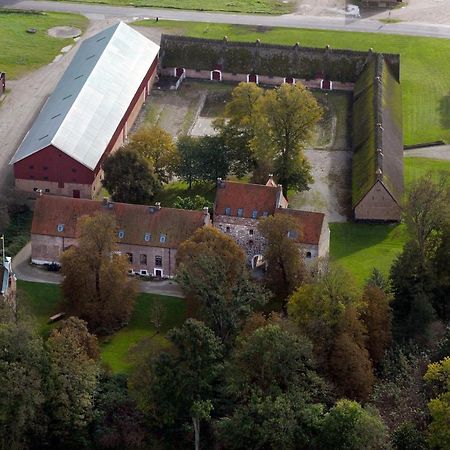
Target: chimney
[(206, 218), (105, 201), (157, 206), (220, 183)]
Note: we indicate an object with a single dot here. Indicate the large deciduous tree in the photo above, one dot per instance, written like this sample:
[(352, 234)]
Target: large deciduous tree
[(23, 369), (285, 267), (348, 426), (289, 115), (96, 286), (377, 317), (158, 147), (129, 177), (177, 387), (73, 354), (276, 392), (212, 270)]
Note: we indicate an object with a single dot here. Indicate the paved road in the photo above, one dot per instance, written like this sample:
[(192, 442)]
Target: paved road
[(436, 152), (288, 20), (26, 272)]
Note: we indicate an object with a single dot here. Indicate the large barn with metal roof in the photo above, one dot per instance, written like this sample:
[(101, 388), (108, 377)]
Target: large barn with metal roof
[(88, 115)]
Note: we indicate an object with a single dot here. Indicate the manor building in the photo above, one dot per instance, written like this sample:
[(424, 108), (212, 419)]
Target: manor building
[(148, 235), (238, 208)]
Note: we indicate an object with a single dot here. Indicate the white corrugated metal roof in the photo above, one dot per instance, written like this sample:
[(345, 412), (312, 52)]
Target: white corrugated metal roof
[(87, 105)]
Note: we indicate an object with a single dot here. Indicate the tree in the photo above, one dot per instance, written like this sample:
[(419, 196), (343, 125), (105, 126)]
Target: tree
[(188, 168), (377, 317), (193, 203), (427, 213), (285, 267), (408, 437), (276, 392), (96, 286), (178, 382), (317, 308), (129, 178), (438, 377), (23, 368), (378, 280), (287, 117), (157, 146), (236, 126), (212, 154), (201, 410), (117, 423), (348, 426), (211, 269), (73, 354), (349, 363)]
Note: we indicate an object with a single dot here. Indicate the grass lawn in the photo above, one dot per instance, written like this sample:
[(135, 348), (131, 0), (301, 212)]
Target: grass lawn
[(424, 70), (18, 232), (243, 6), (361, 247), (42, 300), (418, 167), (22, 52)]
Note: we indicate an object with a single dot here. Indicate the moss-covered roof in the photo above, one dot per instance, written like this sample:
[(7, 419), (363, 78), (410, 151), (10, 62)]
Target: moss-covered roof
[(264, 59), (377, 131)]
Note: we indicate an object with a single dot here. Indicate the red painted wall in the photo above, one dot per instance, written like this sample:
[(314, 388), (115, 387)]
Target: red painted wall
[(58, 167), (55, 165)]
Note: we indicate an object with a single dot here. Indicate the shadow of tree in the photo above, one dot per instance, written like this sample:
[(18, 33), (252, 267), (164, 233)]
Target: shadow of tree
[(444, 110)]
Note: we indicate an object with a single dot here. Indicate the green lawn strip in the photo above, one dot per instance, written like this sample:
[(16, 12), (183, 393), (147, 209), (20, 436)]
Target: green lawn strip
[(115, 349), (40, 301), (22, 52), (418, 167), (242, 6), (361, 247), (171, 191), (424, 65)]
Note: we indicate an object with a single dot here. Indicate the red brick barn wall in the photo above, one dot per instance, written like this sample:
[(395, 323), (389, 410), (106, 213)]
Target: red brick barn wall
[(52, 169)]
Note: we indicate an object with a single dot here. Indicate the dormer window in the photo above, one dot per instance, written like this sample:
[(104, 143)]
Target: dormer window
[(240, 212), (121, 234), (254, 214), (292, 234), (228, 211), (162, 238), (265, 214), (60, 227), (147, 237)]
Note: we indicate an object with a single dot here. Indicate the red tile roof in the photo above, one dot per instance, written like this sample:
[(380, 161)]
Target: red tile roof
[(134, 220), (310, 224), (249, 197)]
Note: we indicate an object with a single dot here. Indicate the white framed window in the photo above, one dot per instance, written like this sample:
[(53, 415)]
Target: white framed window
[(60, 227), (147, 237)]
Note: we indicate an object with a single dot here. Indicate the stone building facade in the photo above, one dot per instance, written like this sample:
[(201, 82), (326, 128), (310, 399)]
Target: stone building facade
[(239, 206), (148, 235)]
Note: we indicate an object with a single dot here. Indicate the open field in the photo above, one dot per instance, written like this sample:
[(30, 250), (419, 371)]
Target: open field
[(242, 6), (418, 167), (361, 247), (424, 71), (41, 300), (21, 51)]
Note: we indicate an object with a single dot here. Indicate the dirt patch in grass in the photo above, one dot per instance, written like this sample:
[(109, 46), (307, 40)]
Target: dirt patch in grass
[(64, 32)]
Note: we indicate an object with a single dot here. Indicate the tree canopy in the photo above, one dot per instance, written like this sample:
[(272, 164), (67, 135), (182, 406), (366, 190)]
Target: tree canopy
[(96, 286), (129, 177)]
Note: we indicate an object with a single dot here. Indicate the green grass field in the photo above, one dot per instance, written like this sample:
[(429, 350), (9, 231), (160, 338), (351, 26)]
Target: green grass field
[(21, 51), (41, 300), (425, 65), (171, 191), (243, 6), (418, 167), (361, 247)]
